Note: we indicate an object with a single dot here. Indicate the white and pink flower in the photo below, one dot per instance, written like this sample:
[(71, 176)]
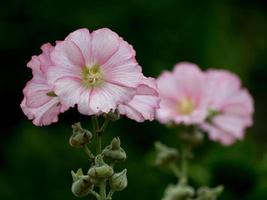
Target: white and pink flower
[(40, 103), (231, 107), (182, 92), (96, 71), (144, 104)]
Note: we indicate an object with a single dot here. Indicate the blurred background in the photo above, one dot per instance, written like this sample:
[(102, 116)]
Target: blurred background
[(35, 163)]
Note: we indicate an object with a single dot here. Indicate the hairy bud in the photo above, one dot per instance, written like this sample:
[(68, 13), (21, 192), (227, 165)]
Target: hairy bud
[(114, 152), (81, 185), (100, 170), (80, 136), (165, 155), (178, 192), (118, 181)]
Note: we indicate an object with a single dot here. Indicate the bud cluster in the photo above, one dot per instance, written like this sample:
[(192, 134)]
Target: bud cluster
[(171, 159), (101, 171)]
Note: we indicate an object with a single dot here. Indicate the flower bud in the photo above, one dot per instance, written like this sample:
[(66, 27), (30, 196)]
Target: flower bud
[(80, 136), (194, 138), (118, 181), (205, 193), (100, 169), (81, 185), (178, 192), (165, 155), (112, 115), (114, 152)]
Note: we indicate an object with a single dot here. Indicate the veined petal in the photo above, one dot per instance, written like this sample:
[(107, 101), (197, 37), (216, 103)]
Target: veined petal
[(130, 112), (104, 44), (36, 93), (68, 89), (84, 102), (45, 114), (67, 54), (109, 96), (57, 72), (128, 75), (122, 67), (82, 39), (144, 104)]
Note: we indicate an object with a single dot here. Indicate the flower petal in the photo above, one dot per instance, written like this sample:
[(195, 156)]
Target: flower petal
[(68, 89), (122, 67), (67, 54), (36, 93), (82, 39), (104, 44), (109, 96)]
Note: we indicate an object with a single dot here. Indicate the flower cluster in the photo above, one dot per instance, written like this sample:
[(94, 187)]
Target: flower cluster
[(97, 72), (213, 101)]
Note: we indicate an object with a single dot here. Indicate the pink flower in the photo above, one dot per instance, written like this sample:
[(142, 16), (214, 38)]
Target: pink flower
[(231, 107), (144, 104), (182, 93), (97, 71), (40, 103)]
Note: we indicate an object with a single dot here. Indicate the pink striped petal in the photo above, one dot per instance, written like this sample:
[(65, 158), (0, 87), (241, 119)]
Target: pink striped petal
[(67, 54), (104, 44), (82, 39)]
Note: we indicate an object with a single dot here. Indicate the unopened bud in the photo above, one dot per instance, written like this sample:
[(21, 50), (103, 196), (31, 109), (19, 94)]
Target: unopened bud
[(118, 181), (165, 155), (194, 138), (80, 136), (205, 193), (178, 192), (113, 115), (81, 185), (100, 169), (114, 152)]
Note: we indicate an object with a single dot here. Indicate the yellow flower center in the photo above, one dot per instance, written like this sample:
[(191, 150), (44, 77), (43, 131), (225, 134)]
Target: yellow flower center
[(92, 76), (186, 107)]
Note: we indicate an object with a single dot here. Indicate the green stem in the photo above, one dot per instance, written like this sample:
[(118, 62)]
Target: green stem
[(88, 152), (104, 126), (183, 179), (97, 133), (102, 190), (97, 196), (174, 168)]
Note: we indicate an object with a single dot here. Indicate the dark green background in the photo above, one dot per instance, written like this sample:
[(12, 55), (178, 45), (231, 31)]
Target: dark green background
[(35, 162)]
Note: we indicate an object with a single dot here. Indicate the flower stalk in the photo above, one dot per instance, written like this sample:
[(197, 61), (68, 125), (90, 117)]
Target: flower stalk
[(101, 171), (177, 162)]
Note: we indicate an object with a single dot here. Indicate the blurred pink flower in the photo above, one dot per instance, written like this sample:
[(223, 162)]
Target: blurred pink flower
[(145, 102), (231, 107), (97, 71), (40, 104), (182, 93)]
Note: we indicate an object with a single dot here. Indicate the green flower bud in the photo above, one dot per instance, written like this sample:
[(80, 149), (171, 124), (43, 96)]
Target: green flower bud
[(114, 152), (205, 193), (112, 115), (194, 138), (100, 169), (118, 181), (81, 185), (165, 155), (178, 192), (80, 136)]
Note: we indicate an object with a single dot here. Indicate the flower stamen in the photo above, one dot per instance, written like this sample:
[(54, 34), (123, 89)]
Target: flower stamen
[(92, 76), (186, 107)]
